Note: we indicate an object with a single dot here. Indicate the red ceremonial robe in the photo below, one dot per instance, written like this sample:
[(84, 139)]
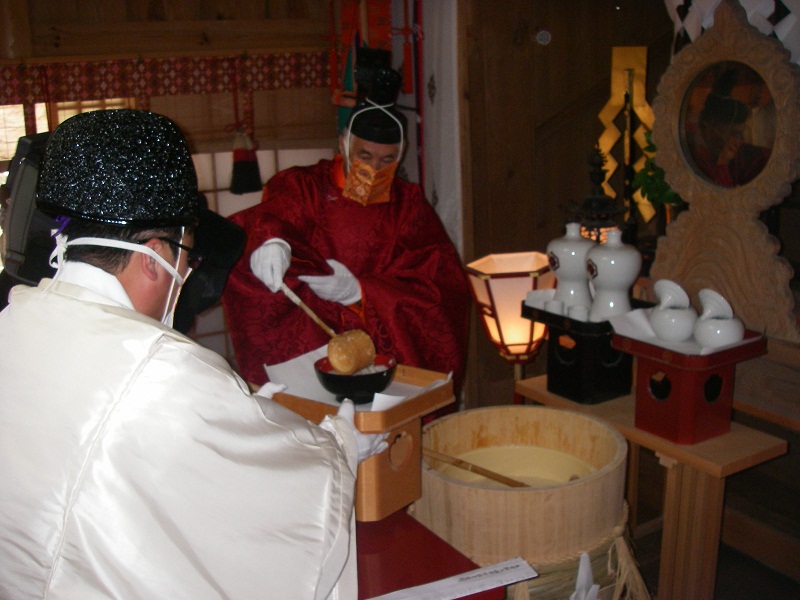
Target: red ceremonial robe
[(415, 299)]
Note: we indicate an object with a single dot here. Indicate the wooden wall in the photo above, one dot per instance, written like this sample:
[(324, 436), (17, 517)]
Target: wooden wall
[(293, 118), (46, 31), (531, 114), (530, 110), (72, 28)]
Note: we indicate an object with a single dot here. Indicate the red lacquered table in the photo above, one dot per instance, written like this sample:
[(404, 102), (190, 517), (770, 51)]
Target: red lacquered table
[(398, 552)]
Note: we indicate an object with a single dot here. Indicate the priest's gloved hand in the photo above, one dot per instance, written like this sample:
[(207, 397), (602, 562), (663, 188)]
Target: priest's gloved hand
[(341, 287), (270, 262), (369, 444)]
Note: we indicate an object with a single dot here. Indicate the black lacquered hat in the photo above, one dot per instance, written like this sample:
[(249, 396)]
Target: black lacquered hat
[(220, 242), (374, 124), (120, 167)]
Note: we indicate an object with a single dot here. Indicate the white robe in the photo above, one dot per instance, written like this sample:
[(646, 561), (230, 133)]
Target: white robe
[(135, 464)]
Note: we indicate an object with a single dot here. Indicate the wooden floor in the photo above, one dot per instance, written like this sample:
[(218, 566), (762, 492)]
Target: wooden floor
[(739, 577)]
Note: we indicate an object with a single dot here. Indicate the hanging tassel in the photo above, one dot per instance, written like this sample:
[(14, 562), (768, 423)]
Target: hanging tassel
[(245, 176)]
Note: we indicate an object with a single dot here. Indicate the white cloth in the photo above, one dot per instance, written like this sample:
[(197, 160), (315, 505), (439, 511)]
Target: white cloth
[(294, 374), (369, 444), (94, 279), (442, 170), (585, 587), (136, 464)]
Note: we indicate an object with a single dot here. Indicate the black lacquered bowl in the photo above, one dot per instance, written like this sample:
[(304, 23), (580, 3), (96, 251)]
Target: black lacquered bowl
[(359, 387)]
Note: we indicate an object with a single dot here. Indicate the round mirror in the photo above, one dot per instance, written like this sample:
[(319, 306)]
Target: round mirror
[(727, 124), (727, 131)]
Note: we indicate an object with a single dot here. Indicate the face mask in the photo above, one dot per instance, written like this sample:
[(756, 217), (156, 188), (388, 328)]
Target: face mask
[(367, 186), (57, 258)]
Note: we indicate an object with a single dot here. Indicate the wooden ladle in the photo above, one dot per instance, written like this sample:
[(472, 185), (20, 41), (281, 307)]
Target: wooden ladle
[(306, 309), (473, 468), (348, 352)]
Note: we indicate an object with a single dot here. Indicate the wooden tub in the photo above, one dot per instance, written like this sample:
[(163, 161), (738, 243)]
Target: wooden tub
[(546, 525)]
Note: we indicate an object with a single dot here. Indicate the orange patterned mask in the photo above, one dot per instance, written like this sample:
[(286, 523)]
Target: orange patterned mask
[(366, 186)]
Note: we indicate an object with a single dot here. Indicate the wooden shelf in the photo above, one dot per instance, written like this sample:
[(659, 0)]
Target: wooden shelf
[(721, 456), (694, 487)]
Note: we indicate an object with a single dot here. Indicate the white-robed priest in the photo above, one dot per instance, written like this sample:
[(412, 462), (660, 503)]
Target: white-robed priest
[(134, 463)]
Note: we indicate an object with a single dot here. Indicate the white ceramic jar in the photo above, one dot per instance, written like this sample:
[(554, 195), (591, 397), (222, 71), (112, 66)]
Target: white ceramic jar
[(717, 326), (613, 268), (673, 319), (567, 257)]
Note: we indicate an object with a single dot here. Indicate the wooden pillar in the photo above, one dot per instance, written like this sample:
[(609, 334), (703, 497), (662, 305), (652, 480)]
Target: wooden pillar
[(15, 29)]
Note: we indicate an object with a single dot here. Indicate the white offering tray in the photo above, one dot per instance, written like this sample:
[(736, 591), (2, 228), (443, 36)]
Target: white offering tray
[(394, 395), (636, 325), (397, 393), (294, 374)]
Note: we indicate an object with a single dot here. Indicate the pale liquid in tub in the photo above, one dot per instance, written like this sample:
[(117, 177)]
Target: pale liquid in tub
[(533, 465)]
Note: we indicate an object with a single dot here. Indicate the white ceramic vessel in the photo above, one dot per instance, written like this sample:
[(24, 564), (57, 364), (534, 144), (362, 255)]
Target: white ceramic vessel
[(673, 324), (567, 257), (673, 319), (613, 268), (670, 294), (717, 326), (714, 305), (579, 312)]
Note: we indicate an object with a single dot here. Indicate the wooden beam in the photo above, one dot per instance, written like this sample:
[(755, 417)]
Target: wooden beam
[(463, 15), (15, 31), (177, 38), (775, 548)]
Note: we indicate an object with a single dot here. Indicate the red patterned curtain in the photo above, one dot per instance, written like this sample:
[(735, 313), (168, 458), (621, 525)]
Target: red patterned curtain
[(142, 78)]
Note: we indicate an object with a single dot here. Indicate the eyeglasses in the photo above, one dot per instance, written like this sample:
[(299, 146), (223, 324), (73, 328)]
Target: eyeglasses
[(194, 258)]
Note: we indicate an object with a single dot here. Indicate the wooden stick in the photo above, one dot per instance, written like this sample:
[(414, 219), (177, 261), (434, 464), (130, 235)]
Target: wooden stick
[(468, 466), (296, 299)]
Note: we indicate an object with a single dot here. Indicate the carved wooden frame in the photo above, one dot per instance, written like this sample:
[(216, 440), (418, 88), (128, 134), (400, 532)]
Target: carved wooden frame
[(719, 242)]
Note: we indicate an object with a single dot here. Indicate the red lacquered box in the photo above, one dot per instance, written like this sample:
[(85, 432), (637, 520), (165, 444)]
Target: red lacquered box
[(686, 398)]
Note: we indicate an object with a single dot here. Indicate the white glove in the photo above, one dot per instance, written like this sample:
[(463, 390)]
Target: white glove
[(269, 389), (341, 287), (369, 444), (270, 262)]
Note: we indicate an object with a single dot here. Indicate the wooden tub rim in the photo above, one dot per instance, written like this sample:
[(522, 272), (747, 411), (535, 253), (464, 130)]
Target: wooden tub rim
[(620, 454)]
